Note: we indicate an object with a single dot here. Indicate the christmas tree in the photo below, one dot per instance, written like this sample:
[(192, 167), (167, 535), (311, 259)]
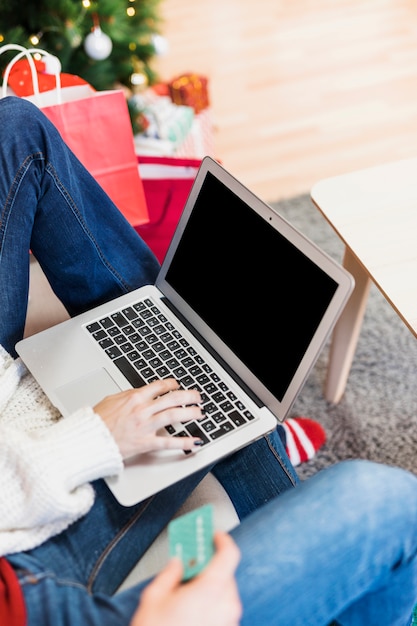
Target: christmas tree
[(108, 43)]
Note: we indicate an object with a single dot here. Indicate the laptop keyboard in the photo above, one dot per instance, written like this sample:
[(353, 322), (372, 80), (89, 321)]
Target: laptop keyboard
[(146, 346)]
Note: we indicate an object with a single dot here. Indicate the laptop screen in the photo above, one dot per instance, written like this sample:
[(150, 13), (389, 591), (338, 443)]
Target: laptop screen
[(250, 284)]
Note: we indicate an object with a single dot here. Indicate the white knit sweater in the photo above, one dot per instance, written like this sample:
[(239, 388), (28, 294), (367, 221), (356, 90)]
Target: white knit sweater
[(46, 462)]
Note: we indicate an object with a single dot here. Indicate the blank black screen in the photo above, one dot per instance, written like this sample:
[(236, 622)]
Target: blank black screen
[(260, 294)]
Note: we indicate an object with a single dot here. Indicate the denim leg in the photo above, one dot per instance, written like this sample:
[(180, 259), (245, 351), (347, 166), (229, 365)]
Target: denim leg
[(342, 545), (50, 204), (53, 601), (99, 550), (70, 579), (96, 551), (256, 474), (76, 572), (90, 254)]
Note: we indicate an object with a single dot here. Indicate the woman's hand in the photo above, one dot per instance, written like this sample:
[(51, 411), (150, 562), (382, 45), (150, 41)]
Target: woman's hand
[(134, 416), (210, 598)]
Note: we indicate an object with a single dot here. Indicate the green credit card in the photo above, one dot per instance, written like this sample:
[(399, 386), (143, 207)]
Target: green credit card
[(191, 539)]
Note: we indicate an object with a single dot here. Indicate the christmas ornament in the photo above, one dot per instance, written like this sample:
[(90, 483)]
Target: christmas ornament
[(98, 45), (160, 44)]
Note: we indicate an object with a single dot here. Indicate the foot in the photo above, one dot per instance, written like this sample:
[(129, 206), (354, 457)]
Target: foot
[(303, 437)]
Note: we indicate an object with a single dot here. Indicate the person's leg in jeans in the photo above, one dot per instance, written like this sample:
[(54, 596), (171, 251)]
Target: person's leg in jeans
[(50, 204), (89, 258), (256, 474), (99, 550), (89, 253), (342, 545), (96, 553)]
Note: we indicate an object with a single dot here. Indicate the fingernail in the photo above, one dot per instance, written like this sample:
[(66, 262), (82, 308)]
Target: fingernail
[(198, 442)]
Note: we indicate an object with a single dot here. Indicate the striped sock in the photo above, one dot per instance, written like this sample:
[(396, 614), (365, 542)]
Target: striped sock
[(303, 437)]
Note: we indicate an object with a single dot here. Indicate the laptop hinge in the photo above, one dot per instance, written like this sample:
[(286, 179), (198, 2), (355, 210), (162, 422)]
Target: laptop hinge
[(213, 352)]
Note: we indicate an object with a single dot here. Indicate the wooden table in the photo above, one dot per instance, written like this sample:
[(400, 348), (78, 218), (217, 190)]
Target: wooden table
[(374, 212)]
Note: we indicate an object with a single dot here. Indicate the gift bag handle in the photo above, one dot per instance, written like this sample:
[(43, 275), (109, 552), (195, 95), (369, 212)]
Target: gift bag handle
[(27, 52)]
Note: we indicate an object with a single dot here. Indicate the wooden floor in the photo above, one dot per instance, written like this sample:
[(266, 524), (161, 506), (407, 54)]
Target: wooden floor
[(300, 89)]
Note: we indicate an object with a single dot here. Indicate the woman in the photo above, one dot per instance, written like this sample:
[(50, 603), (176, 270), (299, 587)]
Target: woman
[(331, 548)]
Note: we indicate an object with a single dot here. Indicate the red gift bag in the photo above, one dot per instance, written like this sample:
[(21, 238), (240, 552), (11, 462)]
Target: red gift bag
[(98, 130), (167, 181), (96, 126)]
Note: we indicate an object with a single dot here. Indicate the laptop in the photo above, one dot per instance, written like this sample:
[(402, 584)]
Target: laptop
[(241, 308)]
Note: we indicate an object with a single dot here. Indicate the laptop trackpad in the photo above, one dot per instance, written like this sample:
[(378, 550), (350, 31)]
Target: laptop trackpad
[(86, 390)]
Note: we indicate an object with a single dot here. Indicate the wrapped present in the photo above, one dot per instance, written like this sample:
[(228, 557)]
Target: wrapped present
[(169, 121), (168, 124), (200, 140), (190, 90), (20, 78)]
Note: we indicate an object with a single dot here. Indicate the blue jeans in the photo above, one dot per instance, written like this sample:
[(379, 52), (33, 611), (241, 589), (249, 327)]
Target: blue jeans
[(341, 545), (51, 205)]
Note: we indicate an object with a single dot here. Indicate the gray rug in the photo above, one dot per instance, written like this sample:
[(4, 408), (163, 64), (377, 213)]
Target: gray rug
[(377, 416)]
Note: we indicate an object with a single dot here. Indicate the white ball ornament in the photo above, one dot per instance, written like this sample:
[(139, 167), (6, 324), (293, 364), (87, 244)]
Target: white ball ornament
[(98, 45), (160, 44)]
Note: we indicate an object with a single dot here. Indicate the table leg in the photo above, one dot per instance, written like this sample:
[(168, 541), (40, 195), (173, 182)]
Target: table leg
[(346, 332)]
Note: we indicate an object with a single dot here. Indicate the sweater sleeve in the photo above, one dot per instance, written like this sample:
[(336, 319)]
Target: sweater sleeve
[(45, 477)]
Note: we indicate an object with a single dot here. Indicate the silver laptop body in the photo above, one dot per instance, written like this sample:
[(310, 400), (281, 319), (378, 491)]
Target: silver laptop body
[(246, 298)]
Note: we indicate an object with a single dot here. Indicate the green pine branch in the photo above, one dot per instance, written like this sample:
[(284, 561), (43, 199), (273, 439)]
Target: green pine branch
[(62, 26)]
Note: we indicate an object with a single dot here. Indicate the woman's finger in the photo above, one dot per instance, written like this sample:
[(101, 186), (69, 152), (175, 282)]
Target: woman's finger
[(174, 415)]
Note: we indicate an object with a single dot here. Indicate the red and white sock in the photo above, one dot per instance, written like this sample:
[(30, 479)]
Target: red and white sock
[(303, 437)]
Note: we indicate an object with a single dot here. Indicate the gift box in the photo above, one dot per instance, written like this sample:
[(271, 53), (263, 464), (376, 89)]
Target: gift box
[(190, 90), (168, 123), (173, 129), (200, 140), (167, 120)]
